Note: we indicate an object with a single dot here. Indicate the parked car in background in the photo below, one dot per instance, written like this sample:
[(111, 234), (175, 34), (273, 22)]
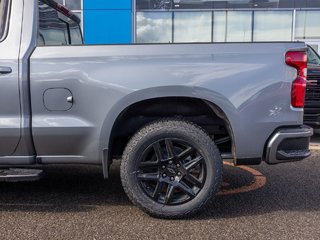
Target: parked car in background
[(312, 101)]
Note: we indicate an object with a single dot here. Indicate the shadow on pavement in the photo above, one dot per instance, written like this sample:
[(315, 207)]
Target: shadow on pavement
[(290, 187)]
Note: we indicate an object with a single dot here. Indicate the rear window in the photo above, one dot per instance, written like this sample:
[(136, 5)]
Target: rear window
[(3, 16), (55, 29)]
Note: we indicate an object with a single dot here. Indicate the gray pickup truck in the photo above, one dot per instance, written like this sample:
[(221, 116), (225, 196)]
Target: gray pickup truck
[(170, 112)]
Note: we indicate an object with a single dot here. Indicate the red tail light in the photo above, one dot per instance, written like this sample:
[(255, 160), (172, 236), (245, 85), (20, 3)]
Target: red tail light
[(298, 60)]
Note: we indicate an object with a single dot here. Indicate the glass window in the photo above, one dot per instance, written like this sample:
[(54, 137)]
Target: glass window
[(287, 3), (220, 26), (192, 26), (267, 3), (154, 27), (142, 4), (307, 24), (238, 4), (232, 26), (73, 30), (311, 3), (211, 4), (3, 8), (52, 31), (79, 14), (313, 57), (239, 26), (56, 29), (75, 34), (73, 4), (272, 26), (315, 47), (225, 4), (155, 4)]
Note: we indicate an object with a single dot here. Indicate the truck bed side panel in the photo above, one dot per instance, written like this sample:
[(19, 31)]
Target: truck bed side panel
[(249, 82)]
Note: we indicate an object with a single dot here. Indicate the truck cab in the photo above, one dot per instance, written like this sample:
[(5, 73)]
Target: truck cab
[(45, 23)]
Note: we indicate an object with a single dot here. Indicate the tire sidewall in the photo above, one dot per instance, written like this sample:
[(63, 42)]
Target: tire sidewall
[(206, 148)]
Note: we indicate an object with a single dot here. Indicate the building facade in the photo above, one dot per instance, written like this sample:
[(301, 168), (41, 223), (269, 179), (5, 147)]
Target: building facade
[(177, 21)]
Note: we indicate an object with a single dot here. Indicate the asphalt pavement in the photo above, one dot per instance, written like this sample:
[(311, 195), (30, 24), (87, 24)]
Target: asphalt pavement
[(74, 202)]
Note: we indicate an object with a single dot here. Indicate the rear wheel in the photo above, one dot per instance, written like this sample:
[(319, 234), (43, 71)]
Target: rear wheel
[(171, 169)]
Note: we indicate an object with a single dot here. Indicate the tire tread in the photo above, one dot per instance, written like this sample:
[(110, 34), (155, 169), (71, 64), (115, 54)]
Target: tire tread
[(199, 134)]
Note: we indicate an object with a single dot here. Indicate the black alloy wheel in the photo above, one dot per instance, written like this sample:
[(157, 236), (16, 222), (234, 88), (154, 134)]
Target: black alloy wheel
[(171, 169)]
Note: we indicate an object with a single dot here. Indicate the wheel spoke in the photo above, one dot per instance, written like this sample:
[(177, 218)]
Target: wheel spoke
[(148, 164), (193, 163), (186, 152), (148, 176), (158, 151), (169, 194), (171, 171), (169, 148), (192, 179), (157, 190), (186, 189)]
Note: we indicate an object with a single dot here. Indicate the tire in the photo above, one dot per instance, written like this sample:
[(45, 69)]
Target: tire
[(171, 169)]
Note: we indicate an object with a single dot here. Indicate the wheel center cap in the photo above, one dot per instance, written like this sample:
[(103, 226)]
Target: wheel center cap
[(172, 169)]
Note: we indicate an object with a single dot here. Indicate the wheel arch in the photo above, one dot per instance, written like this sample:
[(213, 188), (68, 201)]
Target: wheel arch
[(211, 100)]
